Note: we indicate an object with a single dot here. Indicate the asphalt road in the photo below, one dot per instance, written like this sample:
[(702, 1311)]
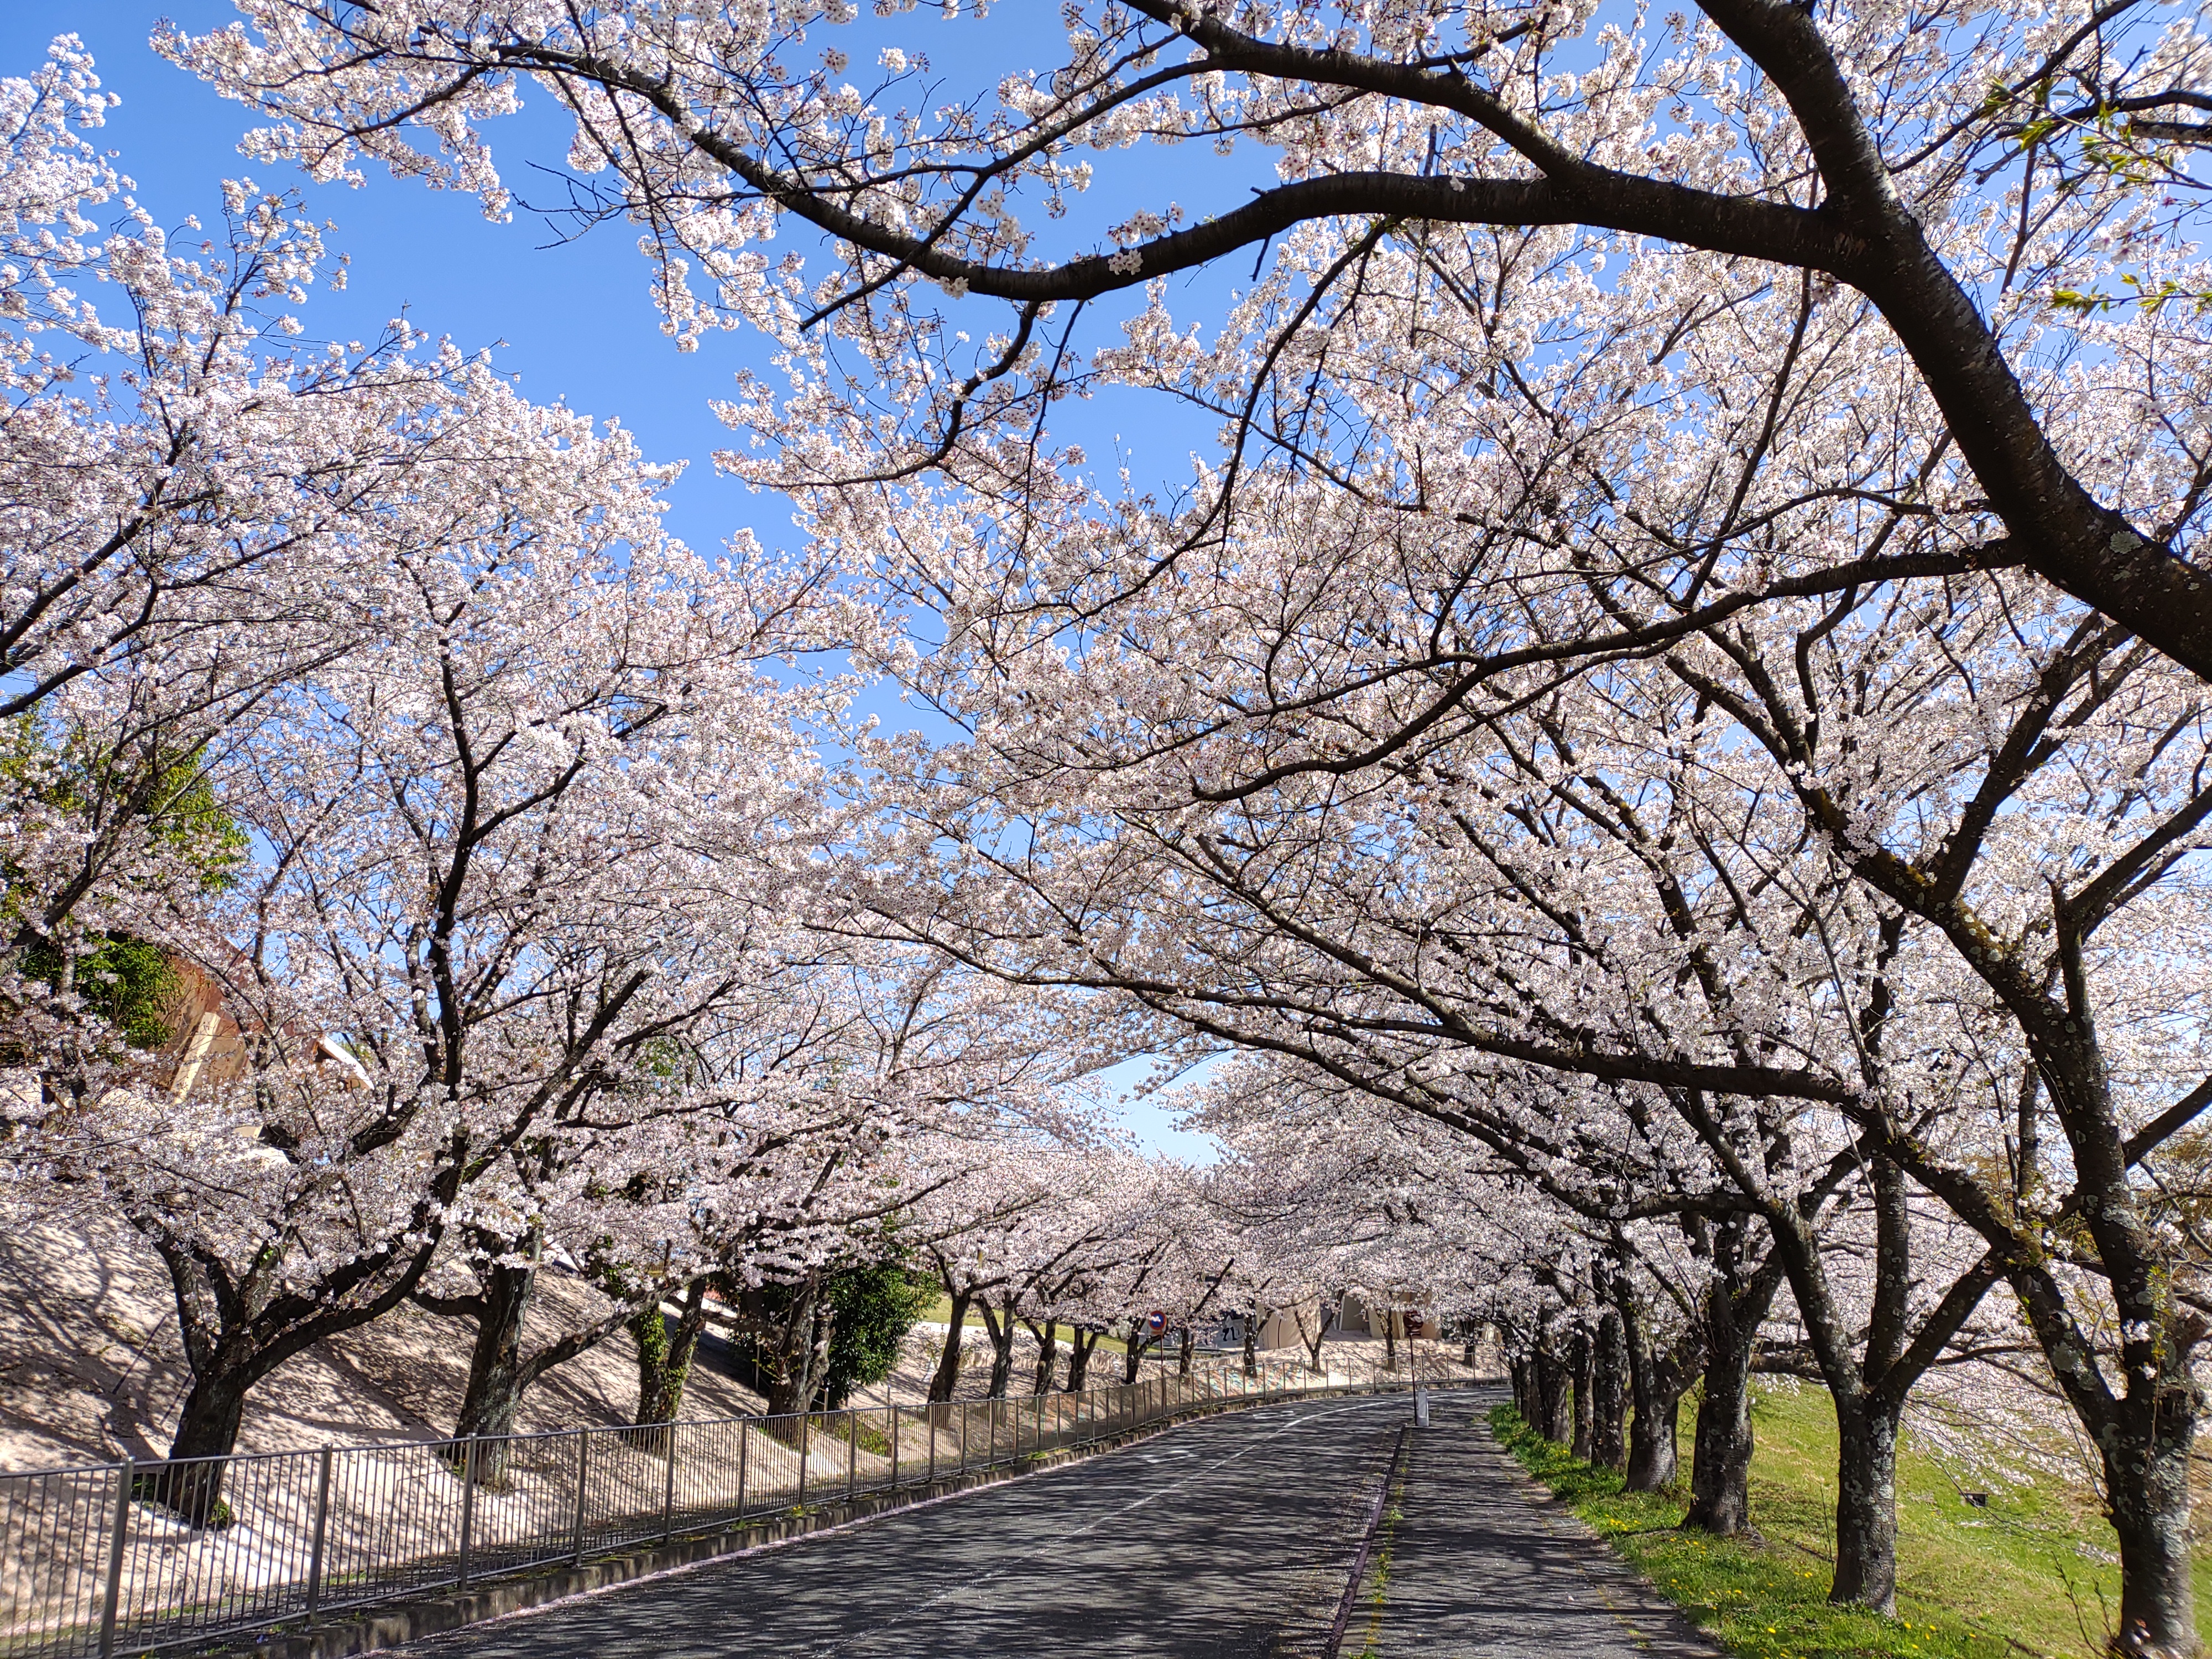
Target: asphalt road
[(1229, 1538)]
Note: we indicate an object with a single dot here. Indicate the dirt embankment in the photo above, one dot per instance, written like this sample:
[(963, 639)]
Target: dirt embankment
[(91, 1368)]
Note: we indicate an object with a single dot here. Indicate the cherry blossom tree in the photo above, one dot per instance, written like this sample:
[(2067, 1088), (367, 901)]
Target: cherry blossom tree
[(1586, 685), (1981, 182), (494, 899)]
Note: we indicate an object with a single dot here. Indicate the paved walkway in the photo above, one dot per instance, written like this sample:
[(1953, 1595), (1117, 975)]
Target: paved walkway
[(1483, 1566), (1228, 1538)]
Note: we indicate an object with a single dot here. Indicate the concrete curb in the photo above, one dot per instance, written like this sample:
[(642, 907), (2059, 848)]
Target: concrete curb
[(370, 1630)]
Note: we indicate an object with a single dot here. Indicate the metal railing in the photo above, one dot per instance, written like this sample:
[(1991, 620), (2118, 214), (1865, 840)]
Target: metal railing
[(107, 1560)]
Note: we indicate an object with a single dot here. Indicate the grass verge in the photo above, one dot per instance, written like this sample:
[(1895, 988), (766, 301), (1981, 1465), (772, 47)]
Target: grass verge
[(2027, 1575)]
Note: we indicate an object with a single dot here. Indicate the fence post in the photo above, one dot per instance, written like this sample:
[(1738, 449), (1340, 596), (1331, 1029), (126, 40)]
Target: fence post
[(929, 1410), (583, 1478), (891, 1412), (964, 1415), (852, 1454), (322, 1522), (125, 1475), (668, 1491), (804, 1421), (742, 1426), (468, 1503)]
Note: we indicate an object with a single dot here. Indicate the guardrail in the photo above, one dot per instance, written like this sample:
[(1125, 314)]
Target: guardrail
[(108, 1559)]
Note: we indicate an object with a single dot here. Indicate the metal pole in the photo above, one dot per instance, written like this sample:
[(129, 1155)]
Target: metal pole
[(741, 1468), (468, 1502), (668, 1491), (852, 1453), (930, 1411), (803, 1420), (322, 1519), (583, 1479), (964, 1414), (891, 1412), (125, 1477)]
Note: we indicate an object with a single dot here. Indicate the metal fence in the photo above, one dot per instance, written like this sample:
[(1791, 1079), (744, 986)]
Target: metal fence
[(134, 1559)]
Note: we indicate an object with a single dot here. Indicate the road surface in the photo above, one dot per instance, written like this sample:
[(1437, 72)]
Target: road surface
[(1227, 1538)]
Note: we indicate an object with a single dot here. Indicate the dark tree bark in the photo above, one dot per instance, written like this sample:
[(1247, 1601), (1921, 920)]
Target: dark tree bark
[(1186, 1362), (207, 1429), (789, 1335), (1869, 1387), (1656, 1381), (1720, 1468), (946, 1378), (1737, 1302), (999, 1325), (664, 1357), (1654, 1441), (1609, 1393), (1252, 1344), (1553, 1418), (493, 1390), (238, 1328), (1047, 1341), (2149, 1509), (1081, 1344), (499, 1370), (1866, 1507), (1582, 1360)]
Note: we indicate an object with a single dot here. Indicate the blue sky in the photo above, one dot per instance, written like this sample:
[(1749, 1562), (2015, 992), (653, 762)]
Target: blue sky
[(573, 321)]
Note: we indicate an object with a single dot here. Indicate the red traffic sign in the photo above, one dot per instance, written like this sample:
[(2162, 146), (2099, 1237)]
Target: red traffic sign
[(1155, 1321)]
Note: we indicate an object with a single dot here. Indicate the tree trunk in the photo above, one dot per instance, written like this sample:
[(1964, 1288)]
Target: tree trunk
[(1655, 1381), (207, 1428), (2148, 1500), (1000, 1329), (1652, 1436), (1048, 1356), (1251, 1345), (1609, 1393), (1582, 1355), (1080, 1345), (1521, 1369), (1133, 1361), (1189, 1356), (494, 1385), (664, 1360), (797, 1371), (1551, 1420), (1866, 1506), (1720, 1471), (947, 1376), (1390, 1341)]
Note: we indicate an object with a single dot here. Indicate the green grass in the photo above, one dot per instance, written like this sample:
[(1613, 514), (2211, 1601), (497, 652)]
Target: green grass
[(2032, 1573)]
